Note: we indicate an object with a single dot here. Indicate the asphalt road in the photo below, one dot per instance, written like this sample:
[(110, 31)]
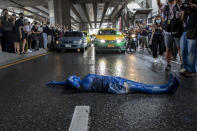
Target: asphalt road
[(27, 104)]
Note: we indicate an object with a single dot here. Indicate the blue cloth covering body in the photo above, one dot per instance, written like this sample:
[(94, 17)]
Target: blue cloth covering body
[(116, 85)]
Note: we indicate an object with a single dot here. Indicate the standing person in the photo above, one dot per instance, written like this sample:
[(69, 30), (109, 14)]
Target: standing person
[(189, 40), (28, 34), (144, 36), (20, 33), (1, 35), (35, 35), (14, 35), (40, 30), (46, 32), (25, 33), (157, 38), (7, 32), (171, 14)]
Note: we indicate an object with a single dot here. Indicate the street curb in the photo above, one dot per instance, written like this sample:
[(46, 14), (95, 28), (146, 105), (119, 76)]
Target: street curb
[(21, 59)]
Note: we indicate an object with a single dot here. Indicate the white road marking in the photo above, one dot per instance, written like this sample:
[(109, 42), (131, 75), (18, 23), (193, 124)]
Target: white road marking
[(80, 119)]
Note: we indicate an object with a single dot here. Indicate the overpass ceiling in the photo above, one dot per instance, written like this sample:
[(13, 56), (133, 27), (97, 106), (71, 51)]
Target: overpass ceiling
[(42, 6), (7, 3)]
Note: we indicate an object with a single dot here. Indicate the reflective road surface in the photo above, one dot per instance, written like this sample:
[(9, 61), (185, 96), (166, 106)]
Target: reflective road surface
[(26, 104)]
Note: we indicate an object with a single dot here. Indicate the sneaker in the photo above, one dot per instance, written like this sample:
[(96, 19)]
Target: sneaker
[(160, 58), (29, 51), (182, 70), (168, 68), (155, 60)]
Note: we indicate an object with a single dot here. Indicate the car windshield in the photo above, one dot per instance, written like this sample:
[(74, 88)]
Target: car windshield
[(107, 32), (73, 34)]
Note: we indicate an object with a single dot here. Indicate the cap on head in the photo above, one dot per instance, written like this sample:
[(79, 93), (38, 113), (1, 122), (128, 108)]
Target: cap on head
[(21, 14), (5, 9)]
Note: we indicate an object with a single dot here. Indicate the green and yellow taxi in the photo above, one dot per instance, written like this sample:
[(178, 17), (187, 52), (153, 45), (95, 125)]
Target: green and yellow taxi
[(110, 39)]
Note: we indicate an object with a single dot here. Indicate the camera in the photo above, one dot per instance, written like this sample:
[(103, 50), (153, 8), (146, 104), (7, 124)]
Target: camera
[(185, 5)]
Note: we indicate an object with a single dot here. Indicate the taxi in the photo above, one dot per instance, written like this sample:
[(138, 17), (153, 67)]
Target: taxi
[(109, 39)]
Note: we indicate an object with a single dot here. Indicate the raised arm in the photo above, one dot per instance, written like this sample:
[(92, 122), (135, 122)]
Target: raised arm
[(159, 4)]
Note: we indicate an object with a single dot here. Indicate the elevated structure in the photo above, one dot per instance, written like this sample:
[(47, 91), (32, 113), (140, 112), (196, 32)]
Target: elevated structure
[(76, 14)]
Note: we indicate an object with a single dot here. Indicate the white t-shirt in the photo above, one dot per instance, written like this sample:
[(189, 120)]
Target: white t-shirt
[(27, 28), (40, 29)]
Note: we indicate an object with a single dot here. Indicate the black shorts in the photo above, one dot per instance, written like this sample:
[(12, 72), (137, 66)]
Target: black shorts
[(18, 39), (24, 36)]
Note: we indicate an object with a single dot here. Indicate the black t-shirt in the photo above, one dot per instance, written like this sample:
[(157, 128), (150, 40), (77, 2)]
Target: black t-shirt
[(46, 30), (18, 24), (144, 32), (191, 22), (34, 29)]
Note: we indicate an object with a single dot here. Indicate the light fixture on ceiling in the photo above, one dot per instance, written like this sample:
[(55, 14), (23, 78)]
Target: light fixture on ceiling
[(132, 6)]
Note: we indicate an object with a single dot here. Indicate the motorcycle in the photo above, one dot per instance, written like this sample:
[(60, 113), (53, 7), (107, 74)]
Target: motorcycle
[(132, 42)]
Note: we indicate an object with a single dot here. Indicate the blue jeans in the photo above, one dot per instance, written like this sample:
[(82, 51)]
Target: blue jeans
[(189, 53), (184, 49), (45, 41), (192, 55)]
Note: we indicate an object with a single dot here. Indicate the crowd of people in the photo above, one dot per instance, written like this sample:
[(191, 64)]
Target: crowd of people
[(174, 28), (18, 35), (180, 27)]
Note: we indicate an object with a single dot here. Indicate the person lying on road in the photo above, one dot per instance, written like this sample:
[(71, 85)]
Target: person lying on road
[(115, 85)]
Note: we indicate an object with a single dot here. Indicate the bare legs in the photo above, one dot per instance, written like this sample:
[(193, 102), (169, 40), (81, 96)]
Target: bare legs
[(17, 47), (23, 46), (168, 55)]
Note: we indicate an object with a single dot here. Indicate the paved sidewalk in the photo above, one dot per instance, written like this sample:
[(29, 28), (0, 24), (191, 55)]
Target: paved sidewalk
[(7, 58)]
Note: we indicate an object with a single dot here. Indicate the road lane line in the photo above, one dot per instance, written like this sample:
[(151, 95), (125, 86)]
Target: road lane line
[(80, 119), (23, 60)]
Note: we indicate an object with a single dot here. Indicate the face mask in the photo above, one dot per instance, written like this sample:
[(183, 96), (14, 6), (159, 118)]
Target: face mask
[(158, 21)]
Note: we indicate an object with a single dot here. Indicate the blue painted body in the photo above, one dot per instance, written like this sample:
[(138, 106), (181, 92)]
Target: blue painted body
[(116, 85)]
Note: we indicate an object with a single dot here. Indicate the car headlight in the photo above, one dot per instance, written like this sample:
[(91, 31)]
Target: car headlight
[(122, 40), (81, 41), (133, 35), (102, 41), (57, 42), (118, 41)]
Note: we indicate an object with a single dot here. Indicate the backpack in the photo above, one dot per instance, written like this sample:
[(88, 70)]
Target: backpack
[(173, 25)]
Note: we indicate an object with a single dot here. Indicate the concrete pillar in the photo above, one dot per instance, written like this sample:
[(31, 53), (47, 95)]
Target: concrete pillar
[(65, 12), (51, 12), (59, 12), (84, 26)]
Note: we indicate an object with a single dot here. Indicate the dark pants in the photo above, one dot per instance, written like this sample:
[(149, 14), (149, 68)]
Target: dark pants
[(41, 45), (8, 43), (158, 44), (35, 39)]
